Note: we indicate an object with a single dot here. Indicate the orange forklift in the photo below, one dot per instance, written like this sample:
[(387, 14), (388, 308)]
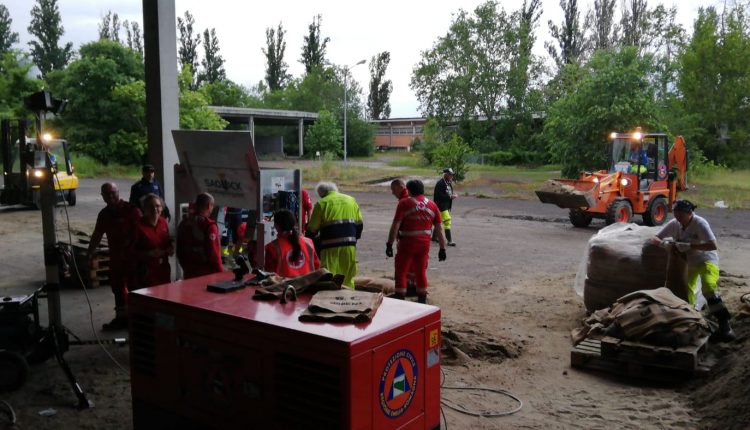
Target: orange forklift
[(643, 178)]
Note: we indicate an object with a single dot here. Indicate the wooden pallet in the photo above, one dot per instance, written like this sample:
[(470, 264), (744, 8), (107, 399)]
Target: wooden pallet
[(639, 360), (99, 271)]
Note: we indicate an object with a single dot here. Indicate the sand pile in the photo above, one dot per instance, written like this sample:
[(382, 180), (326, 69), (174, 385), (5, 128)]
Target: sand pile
[(722, 400)]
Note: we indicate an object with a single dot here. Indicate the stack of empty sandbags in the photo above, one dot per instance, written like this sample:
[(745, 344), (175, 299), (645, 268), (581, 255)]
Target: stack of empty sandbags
[(621, 259)]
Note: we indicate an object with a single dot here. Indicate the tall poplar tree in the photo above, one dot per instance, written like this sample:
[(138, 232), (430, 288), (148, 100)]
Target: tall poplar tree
[(378, 103), (187, 50), (568, 36), (276, 68), (314, 47), (7, 37), (47, 28), (212, 63)]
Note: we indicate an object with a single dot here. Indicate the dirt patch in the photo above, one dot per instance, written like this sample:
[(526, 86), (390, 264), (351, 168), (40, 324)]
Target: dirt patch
[(722, 399), (533, 218), (463, 344)]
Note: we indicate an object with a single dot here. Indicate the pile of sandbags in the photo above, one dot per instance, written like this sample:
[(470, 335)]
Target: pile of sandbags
[(621, 259)]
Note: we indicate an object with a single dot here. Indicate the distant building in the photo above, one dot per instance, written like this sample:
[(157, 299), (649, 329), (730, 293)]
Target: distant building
[(397, 133)]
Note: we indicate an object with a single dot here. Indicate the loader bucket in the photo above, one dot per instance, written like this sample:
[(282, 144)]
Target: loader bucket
[(568, 193)]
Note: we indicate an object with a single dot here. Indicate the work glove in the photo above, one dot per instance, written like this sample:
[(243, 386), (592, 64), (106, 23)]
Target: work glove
[(683, 246), (389, 250), (666, 244), (441, 255)]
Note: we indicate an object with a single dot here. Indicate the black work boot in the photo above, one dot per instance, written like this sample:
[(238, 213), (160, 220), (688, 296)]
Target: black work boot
[(117, 323), (717, 308), (724, 333), (449, 238), (422, 299)]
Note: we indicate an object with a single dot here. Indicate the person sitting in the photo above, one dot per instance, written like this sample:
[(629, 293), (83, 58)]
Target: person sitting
[(291, 254), (638, 160)]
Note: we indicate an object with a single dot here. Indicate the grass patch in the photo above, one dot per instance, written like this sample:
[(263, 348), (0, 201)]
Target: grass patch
[(731, 186), (87, 167)]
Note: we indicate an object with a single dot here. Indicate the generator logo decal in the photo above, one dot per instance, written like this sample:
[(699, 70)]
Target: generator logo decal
[(398, 383)]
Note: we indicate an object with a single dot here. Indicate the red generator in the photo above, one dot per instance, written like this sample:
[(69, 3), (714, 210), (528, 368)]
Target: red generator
[(205, 360)]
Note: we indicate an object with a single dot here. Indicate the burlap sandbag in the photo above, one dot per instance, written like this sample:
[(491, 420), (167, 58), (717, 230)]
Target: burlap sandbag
[(375, 285), (621, 259), (342, 306)]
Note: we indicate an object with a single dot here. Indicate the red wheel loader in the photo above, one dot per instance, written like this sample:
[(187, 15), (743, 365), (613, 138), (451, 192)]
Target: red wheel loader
[(643, 178)]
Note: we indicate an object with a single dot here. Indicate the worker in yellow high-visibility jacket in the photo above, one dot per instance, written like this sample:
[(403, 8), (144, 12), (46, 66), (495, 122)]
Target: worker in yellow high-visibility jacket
[(338, 219)]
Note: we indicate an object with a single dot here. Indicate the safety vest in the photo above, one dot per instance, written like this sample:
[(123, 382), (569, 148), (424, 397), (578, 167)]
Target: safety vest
[(339, 220), (285, 266), (418, 218)]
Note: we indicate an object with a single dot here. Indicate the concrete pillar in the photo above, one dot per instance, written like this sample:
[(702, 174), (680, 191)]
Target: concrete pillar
[(252, 129), (162, 93), (301, 136)]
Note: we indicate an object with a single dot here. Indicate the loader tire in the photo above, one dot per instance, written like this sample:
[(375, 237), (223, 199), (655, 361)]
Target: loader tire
[(619, 211), (13, 370), (72, 198), (656, 213), (579, 218)]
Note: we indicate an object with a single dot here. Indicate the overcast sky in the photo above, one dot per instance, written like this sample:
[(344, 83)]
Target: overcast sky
[(358, 30)]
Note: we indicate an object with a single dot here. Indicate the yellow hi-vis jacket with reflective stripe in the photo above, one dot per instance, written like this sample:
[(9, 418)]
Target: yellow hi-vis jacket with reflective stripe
[(338, 219)]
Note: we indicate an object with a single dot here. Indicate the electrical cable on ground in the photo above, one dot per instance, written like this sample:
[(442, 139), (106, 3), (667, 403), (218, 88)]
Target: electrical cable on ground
[(485, 414), (83, 284), (11, 412)]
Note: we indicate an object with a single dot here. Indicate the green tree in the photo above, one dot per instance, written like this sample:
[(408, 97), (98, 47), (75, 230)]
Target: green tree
[(324, 136), (668, 41), (276, 68), (481, 67), (133, 37), (15, 84), (378, 103), (635, 24), (229, 93), (568, 36), (432, 137), (453, 153), (359, 142), (194, 111), (89, 83), (614, 94), (714, 80), (46, 26), (213, 62), (314, 47), (188, 46), (524, 69), (600, 24), (109, 28), (8, 37)]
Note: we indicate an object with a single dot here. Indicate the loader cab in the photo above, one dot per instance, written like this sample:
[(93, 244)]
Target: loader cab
[(641, 155)]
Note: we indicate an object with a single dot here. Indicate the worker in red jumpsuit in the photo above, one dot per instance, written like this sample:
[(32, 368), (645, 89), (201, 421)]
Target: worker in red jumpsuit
[(398, 189), (291, 254), (415, 218), (198, 245), (152, 245), (117, 220), (307, 208)]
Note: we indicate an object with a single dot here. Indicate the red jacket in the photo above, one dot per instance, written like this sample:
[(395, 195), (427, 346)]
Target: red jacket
[(418, 215), (279, 254), (307, 208), (118, 224), (198, 247), (151, 247)]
